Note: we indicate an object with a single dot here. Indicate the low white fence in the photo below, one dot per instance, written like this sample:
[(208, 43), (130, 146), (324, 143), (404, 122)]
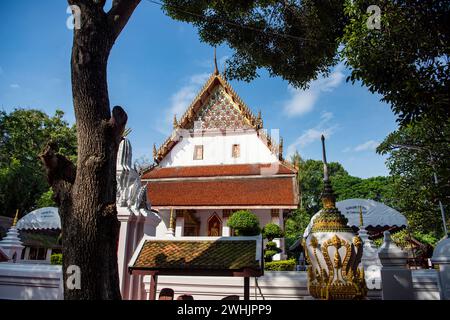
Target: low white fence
[(30, 281), (43, 282)]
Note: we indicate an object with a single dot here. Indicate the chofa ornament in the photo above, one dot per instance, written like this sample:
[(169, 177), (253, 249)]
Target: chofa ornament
[(333, 251)]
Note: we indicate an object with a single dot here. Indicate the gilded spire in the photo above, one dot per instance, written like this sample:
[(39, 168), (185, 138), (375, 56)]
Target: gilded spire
[(259, 120), (154, 151), (16, 218), (172, 220), (175, 121), (330, 219), (216, 70), (328, 198)]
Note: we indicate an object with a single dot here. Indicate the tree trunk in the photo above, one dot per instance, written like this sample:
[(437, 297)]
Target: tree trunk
[(87, 195)]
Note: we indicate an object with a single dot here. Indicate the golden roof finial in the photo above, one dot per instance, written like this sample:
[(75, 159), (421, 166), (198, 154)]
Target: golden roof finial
[(216, 70), (16, 218), (175, 121), (361, 220), (154, 151), (259, 120), (172, 220)]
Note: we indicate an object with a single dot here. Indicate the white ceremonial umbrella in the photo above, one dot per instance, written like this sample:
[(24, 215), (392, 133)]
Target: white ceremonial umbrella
[(374, 214), (43, 218)]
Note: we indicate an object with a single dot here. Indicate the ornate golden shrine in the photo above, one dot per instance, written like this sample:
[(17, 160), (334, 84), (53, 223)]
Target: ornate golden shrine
[(214, 226), (333, 251)]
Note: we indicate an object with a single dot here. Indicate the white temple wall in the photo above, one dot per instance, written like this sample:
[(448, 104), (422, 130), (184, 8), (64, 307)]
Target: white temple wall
[(219, 151), (30, 282), (34, 281), (203, 215)]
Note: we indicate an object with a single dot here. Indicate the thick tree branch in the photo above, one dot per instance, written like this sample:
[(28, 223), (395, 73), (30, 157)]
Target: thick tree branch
[(120, 13), (117, 123), (58, 167)]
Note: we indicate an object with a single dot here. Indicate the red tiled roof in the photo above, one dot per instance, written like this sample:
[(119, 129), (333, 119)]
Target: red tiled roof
[(223, 192), (195, 255), (213, 170)]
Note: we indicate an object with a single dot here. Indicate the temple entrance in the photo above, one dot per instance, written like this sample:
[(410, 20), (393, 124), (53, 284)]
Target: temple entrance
[(191, 224), (214, 226)]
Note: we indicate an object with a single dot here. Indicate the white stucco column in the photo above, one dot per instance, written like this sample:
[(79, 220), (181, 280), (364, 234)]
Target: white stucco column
[(179, 226), (124, 216), (396, 278), (441, 257), (226, 232)]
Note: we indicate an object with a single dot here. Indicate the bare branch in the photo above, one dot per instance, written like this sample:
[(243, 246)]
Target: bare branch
[(120, 13)]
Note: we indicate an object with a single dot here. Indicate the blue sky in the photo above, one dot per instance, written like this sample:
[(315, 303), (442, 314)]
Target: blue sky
[(157, 67)]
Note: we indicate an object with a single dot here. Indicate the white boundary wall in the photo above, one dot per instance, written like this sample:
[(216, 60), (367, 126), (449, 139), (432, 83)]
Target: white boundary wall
[(43, 282), (30, 282)]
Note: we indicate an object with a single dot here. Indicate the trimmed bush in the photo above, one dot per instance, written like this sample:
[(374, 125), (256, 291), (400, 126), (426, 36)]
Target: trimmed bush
[(56, 258), (282, 265), (244, 223), (272, 231), (271, 246), (270, 251)]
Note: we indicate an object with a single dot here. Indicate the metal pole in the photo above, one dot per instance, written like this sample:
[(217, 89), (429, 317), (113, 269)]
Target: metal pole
[(444, 221), (441, 207)]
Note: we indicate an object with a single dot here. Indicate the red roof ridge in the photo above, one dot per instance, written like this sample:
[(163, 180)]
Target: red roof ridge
[(245, 169)]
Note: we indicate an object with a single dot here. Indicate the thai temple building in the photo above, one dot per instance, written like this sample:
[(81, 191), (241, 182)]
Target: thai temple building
[(219, 159), (174, 239)]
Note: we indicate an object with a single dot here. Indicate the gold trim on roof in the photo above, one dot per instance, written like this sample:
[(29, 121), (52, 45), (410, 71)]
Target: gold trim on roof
[(189, 117)]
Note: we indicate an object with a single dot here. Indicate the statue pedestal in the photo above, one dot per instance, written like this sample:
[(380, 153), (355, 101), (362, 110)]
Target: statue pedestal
[(396, 279), (441, 257)]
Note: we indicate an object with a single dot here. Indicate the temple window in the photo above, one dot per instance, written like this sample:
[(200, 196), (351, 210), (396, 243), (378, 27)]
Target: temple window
[(236, 151), (198, 152)]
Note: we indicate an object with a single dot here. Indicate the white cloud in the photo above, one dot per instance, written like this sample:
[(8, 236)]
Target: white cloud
[(348, 149), (313, 134), (368, 145), (14, 86), (180, 101), (303, 101)]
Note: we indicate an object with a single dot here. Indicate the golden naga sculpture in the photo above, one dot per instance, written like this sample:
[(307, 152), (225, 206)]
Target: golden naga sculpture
[(333, 251)]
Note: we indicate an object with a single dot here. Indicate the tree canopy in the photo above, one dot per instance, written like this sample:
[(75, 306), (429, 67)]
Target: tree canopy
[(23, 134), (405, 60), (416, 152)]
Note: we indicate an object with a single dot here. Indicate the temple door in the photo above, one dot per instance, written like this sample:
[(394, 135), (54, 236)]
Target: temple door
[(214, 226)]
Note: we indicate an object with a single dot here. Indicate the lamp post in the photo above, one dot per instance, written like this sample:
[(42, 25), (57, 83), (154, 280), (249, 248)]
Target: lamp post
[(441, 207)]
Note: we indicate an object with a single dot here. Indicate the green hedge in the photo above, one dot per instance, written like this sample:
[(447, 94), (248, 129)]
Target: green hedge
[(56, 258), (282, 265), (244, 223)]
